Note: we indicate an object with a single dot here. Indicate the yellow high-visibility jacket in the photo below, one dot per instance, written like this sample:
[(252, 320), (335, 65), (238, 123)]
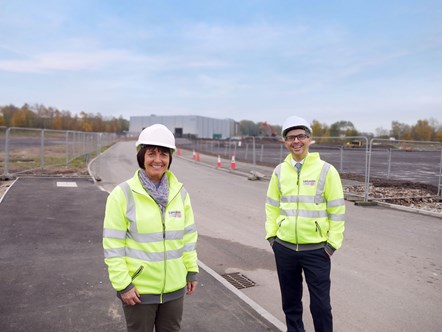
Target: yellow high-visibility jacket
[(144, 248), (306, 208)]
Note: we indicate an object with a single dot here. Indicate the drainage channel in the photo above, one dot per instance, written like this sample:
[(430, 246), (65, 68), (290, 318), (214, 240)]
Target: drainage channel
[(238, 280)]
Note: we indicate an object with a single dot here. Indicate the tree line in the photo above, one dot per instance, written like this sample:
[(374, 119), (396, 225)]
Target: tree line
[(422, 130), (40, 116)]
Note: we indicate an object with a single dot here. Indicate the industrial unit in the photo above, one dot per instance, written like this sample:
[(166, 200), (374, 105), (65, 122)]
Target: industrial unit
[(187, 125)]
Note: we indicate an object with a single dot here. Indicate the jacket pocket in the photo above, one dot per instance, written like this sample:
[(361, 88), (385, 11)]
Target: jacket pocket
[(318, 228), (137, 272)]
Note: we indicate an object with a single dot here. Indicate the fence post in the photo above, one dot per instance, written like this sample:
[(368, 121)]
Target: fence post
[(67, 146), (389, 163), (6, 172), (439, 187), (84, 144), (254, 153), (262, 152), (42, 150), (367, 173), (341, 166)]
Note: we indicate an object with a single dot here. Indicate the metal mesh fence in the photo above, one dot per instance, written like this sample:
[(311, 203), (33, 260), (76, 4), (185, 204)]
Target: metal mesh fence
[(354, 157), (414, 161), (26, 150)]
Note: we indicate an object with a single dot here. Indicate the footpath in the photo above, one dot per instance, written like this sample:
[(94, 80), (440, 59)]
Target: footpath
[(53, 277)]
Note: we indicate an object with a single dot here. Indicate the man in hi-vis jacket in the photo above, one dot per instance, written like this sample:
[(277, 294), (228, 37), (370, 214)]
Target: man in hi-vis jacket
[(305, 211)]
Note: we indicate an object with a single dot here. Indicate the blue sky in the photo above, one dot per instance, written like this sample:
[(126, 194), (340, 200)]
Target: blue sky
[(368, 62)]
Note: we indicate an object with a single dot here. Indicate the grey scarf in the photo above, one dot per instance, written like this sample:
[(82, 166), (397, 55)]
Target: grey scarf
[(159, 193)]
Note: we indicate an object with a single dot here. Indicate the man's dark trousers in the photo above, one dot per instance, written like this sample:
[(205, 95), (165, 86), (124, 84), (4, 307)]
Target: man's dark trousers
[(316, 266)]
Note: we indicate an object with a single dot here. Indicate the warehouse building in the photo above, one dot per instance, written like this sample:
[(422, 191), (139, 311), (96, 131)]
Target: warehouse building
[(187, 125)]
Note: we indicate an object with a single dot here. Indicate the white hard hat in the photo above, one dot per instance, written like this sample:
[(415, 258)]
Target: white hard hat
[(158, 135), (293, 122)]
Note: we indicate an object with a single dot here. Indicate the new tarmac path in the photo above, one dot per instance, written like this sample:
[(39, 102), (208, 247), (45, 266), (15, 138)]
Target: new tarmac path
[(53, 277)]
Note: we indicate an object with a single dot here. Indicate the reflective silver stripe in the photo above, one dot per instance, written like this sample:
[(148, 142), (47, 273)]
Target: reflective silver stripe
[(336, 217), (130, 206), (144, 238), (301, 199), (183, 194), (114, 234), (305, 213), (272, 202), (189, 247), (114, 252), (336, 202), (156, 237), (321, 183), (174, 235), (278, 176), (190, 229), (153, 256)]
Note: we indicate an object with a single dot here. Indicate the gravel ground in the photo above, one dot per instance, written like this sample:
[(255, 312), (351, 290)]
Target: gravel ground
[(403, 193), (420, 199)]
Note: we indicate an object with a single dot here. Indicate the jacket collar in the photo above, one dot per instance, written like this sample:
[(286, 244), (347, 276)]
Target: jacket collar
[(311, 157), (174, 184)]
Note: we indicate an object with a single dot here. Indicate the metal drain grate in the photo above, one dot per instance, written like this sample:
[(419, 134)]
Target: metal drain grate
[(238, 280)]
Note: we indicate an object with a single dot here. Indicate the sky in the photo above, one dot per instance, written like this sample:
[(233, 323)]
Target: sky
[(368, 62)]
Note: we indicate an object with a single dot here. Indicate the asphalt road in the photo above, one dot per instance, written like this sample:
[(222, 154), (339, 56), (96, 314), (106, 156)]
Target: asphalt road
[(386, 277)]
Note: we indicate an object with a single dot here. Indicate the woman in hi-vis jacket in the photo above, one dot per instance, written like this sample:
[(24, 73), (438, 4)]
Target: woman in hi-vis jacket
[(149, 238)]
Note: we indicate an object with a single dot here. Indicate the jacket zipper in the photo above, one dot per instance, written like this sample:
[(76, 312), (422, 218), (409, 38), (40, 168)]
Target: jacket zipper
[(163, 220), (164, 255), (298, 174)]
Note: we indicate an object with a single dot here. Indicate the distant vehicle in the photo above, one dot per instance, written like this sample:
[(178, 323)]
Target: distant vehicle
[(354, 144), (265, 125)]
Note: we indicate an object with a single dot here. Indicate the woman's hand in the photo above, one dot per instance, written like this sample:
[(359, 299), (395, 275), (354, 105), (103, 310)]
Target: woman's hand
[(131, 297), (191, 287)]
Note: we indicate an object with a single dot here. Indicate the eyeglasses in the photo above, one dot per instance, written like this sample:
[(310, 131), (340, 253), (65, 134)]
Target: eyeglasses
[(300, 137)]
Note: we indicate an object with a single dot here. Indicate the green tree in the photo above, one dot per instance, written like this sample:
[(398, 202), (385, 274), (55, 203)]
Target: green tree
[(343, 128), (248, 128), (400, 130), (319, 129), (8, 113), (422, 131)]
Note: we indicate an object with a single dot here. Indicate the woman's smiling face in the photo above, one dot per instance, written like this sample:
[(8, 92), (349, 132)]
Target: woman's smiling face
[(156, 162)]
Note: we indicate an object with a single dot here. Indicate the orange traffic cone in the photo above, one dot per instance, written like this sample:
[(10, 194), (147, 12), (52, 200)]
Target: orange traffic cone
[(197, 156), (178, 152), (218, 163), (232, 163), (193, 155)]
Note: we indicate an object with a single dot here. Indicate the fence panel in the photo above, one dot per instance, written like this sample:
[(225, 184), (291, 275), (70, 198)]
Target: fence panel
[(2, 149), (413, 161), (29, 150), (355, 157)]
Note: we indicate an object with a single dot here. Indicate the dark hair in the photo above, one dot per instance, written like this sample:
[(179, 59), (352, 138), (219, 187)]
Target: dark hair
[(144, 148)]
